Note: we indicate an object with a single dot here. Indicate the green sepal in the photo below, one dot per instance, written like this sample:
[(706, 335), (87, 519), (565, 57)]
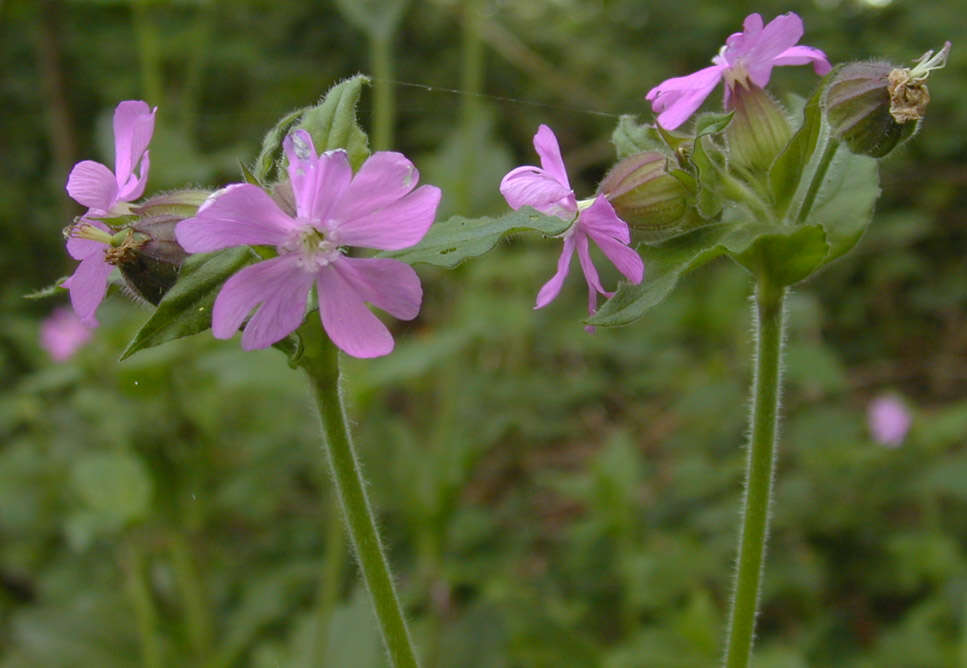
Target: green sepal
[(187, 307), (450, 242), (54, 290), (332, 123), (292, 346)]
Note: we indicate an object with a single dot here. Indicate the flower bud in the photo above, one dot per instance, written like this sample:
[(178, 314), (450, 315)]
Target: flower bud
[(875, 106), (645, 195), (759, 129)]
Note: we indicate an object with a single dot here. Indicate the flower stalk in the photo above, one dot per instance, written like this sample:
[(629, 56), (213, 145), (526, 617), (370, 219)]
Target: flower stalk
[(320, 361), (760, 468)]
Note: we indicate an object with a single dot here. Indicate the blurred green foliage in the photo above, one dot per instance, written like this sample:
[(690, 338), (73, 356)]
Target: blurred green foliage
[(550, 498)]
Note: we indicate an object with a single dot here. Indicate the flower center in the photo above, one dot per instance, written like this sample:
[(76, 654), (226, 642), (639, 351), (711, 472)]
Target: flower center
[(313, 248)]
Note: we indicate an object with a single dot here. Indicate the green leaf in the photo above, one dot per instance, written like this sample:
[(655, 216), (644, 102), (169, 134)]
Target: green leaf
[(630, 137), (787, 255), (54, 290), (788, 169), (186, 308), (845, 202), (332, 122), (710, 123), (450, 242), (266, 168), (665, 263)]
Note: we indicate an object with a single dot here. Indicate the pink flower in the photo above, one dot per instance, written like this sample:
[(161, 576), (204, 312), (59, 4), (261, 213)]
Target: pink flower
[(547, 189), (104, 193), (889, 420), (747, 57), (375, 208), (63, 333)]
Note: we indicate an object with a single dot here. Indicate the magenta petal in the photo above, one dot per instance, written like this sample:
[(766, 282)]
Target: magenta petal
[(802, 55), (318, 182), (534, 187), (351, 326), (239, 215), (587, 267), (384, 179), (88, 285), (387, 284), (133, 188), (400, 224), (133, 127), (80, 249), (674, 100), (623, 257), (279, 285), (545, 143), (93, 185), (600, 219), (550, 290)]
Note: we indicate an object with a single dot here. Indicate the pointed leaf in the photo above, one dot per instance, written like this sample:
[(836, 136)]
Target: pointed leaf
[(186, 308), (630, 137), (787, 255), (665, 263), (266, 168), (332, 122), (710, 123), (788, 169), (450, 242)]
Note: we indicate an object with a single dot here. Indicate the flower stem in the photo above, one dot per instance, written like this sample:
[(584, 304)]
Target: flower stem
[(829, 152), (760, 468), (321, 363)]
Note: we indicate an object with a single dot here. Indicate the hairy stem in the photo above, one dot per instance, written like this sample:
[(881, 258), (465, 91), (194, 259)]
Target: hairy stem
[(321, 363), (760, 469)]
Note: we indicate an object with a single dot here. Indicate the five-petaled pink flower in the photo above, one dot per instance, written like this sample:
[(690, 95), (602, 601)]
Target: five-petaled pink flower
[(747, 57), (375, 208), (62, 333), (547, 189), (104, 193), (889, 420)]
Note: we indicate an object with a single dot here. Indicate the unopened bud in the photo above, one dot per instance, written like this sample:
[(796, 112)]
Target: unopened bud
[(644, 194), (873, 107), (759, 129)]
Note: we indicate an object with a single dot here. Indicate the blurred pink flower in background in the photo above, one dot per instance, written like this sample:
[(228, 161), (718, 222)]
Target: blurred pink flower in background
[(63, 333), (889, 420)]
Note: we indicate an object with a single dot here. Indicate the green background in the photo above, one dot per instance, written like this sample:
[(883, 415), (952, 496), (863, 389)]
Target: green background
[(550, 498)]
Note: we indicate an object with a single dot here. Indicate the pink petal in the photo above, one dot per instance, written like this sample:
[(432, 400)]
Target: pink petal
[(600, 219), (674, 100), (758, 54), (88, 285), (387, 284), (239, 215), (552, 288), (63, 333), (590, 272), (93, 185), (802, 55), (545, 143), (623, 257), (318, 182), (351, 326), (133, 188), (400, 224), (534, 187), (385, 178), (279, 285), (80, 249), (133, 127)]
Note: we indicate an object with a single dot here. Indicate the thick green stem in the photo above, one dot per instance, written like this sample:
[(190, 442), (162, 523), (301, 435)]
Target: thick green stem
[(321, 363), (760, 469)]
